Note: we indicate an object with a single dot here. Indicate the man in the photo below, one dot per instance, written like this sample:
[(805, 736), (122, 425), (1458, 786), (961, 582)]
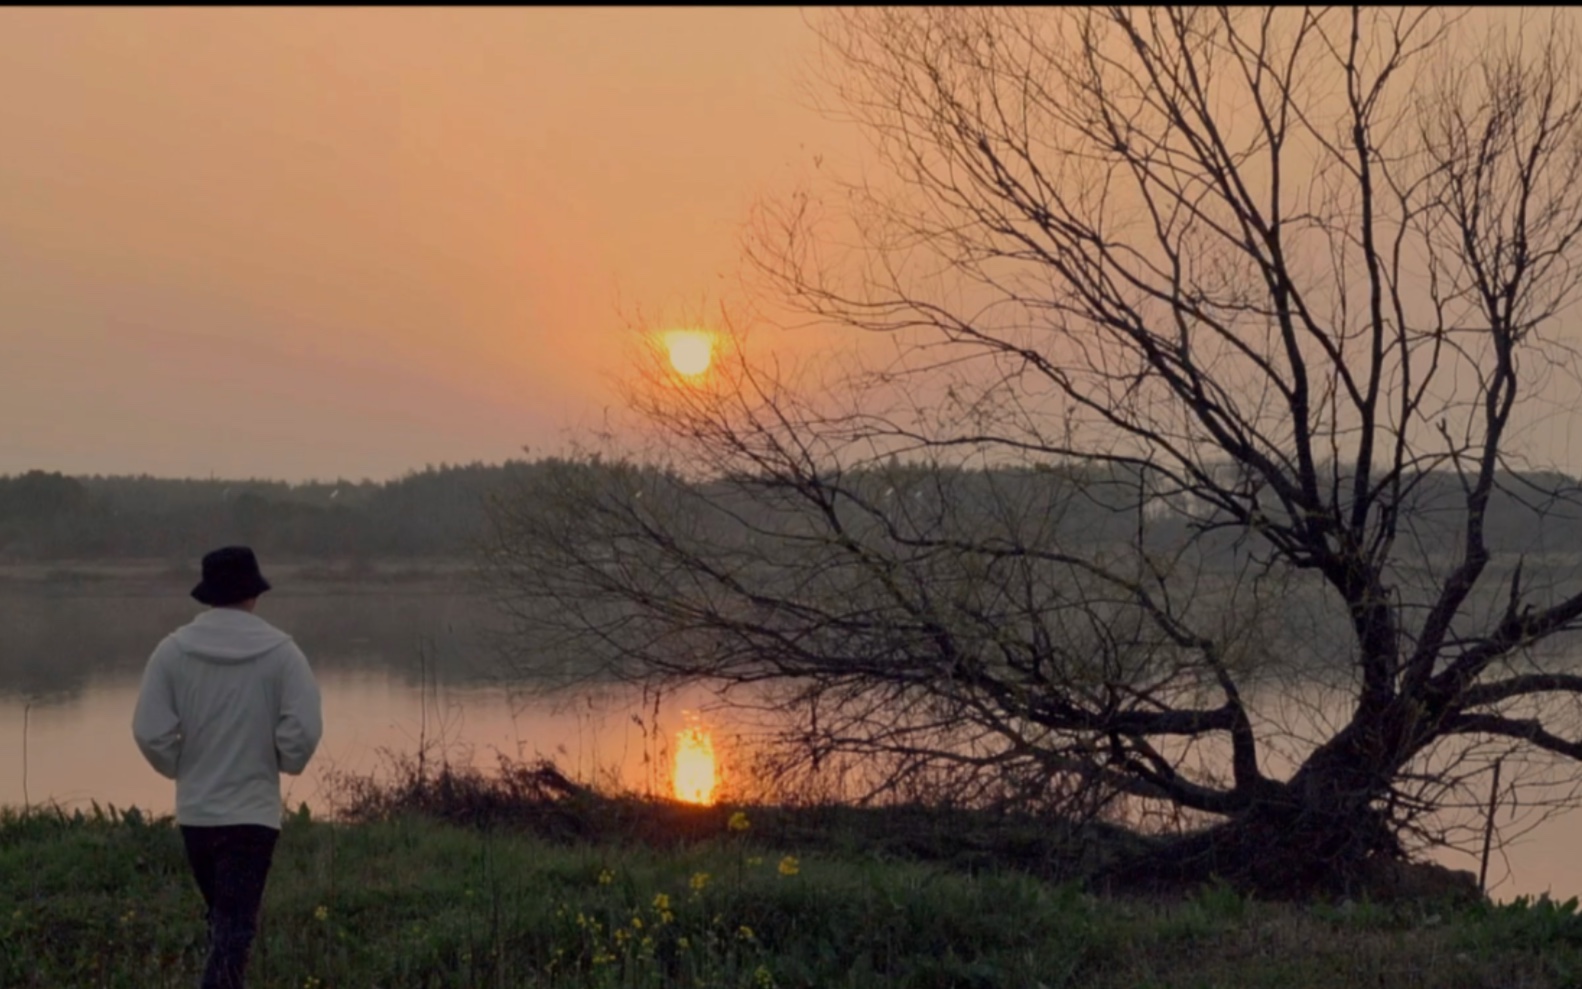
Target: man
[(228, 703)]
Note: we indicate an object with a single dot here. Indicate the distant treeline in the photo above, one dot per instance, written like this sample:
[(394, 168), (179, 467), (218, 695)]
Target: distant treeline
[(440, 511), (430, 513)]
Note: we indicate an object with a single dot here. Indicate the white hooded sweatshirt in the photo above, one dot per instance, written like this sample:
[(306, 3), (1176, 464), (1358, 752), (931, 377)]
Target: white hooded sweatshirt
[(228, 703)]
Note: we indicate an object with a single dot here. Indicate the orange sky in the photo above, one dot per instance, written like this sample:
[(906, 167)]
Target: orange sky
[(348, 242)]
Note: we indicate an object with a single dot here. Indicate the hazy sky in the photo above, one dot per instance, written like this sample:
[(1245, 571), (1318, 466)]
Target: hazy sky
[(330, 243), (348, 242)]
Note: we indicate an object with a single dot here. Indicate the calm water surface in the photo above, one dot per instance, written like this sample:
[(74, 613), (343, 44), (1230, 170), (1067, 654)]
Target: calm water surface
[(396, 669)]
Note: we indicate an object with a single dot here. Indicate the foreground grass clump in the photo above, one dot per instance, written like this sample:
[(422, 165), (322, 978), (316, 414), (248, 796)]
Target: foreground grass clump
[(103, 899)]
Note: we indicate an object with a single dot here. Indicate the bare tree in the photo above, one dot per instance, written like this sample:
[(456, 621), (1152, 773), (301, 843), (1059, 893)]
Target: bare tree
[(1210, 323)]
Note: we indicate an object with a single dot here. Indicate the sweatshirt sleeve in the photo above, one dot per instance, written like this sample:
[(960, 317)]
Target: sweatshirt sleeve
[(155, 725), (301, 718)]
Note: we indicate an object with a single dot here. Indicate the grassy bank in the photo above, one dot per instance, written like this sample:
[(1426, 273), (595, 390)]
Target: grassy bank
[(105, 900)]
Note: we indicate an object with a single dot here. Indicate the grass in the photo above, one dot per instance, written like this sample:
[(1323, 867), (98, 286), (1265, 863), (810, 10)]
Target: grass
[(104, 899)]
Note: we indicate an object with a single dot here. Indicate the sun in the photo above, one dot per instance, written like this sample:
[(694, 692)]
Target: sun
[(695, 770), (691, 351)]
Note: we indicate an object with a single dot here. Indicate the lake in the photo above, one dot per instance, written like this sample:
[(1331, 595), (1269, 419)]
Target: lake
[(399, 663), (401, 660)]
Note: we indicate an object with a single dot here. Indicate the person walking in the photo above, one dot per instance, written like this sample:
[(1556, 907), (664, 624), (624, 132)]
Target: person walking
[(228, 703)]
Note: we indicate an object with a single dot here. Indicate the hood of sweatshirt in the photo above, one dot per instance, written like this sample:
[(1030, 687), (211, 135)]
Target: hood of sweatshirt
[(228, 635)]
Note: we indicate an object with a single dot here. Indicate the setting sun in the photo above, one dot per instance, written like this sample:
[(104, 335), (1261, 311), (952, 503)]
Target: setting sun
[(690, 351), (694, 766)]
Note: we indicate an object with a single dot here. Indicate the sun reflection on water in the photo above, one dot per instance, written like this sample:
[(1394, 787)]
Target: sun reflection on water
[(695, 770)]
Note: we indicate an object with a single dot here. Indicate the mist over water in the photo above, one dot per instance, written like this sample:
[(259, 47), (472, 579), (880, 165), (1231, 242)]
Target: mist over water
[(61, 639)]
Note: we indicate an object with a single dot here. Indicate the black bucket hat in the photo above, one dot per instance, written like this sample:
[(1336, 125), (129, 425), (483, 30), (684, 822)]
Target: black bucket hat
[(230, 575)]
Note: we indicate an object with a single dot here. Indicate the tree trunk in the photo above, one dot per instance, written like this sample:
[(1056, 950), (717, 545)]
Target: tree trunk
[(1318, 835)]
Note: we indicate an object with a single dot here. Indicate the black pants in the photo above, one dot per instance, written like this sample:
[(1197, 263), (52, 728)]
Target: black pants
[(231, 863)]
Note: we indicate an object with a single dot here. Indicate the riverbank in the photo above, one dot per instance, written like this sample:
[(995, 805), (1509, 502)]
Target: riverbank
[(104, 899)]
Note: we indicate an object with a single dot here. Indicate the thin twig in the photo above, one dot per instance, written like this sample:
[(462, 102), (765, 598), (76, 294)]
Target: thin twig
[(1488, 829), (27, 707)]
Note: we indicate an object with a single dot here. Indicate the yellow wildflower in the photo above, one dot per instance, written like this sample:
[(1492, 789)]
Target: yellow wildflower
[(661, 901), (637, 923), (789, 866), (683, 943), (606, 877), (698, 881), (321, 912), (762, 978), (739, 822), (744, 932)]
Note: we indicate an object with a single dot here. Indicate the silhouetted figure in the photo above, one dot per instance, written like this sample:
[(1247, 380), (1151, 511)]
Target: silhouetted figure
[(228, 703)]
